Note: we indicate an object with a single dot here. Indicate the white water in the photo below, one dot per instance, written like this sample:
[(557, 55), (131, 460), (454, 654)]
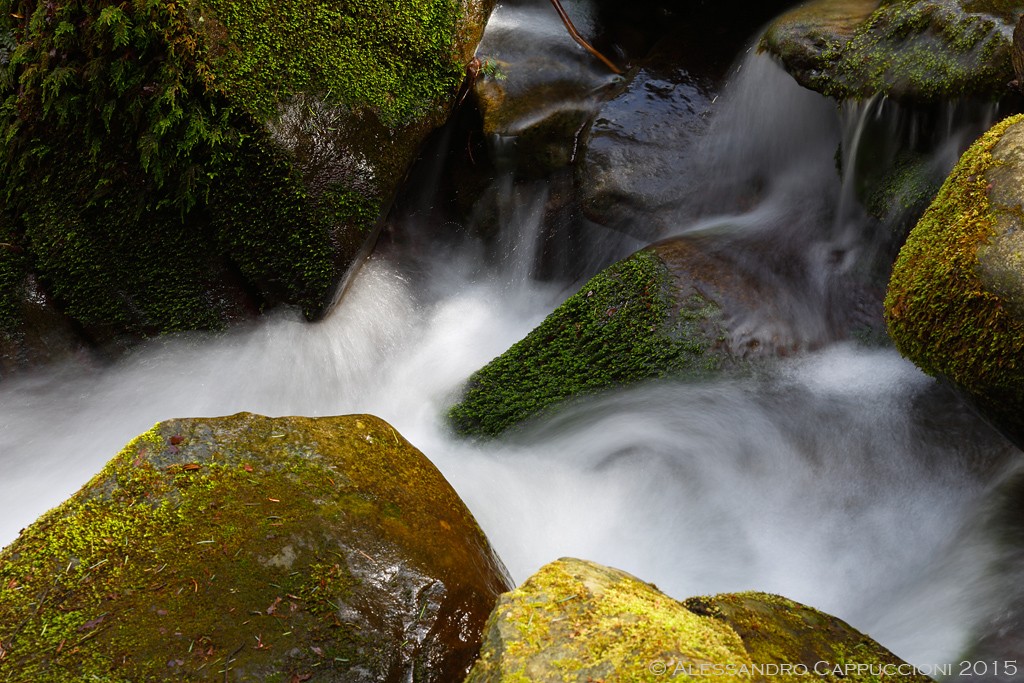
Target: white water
[(843, 478)]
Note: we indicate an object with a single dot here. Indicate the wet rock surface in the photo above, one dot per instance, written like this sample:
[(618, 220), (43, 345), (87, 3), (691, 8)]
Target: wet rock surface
[(921, 50), (576, 620), (252, 548), (955, 304)]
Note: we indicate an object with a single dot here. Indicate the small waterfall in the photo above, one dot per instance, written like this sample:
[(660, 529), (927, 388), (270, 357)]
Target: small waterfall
[(841, 477)]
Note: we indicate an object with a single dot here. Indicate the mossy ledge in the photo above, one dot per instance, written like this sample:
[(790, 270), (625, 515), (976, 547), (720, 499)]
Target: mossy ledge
[(940, 312), (576, 620), (921, 50), (176, 165), (622, 326), (251, 548)]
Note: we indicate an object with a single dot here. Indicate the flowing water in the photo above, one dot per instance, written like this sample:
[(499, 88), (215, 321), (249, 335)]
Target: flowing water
[(841, 477)]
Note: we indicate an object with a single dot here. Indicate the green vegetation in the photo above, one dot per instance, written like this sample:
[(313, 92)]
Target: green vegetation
[(917, 49), (577, 620), (247, 539), (939, 313), (622, 326), (580, 621), (776, 630), (145, 167)]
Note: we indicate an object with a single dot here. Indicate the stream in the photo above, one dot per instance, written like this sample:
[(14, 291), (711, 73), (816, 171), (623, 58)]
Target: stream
[(839, 476)]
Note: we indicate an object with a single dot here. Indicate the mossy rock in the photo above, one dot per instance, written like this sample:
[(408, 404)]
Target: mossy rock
[(777, 631), (921, 50), (176, 165), (955, 304), (580, 621), (622, 326), (252, 548), (686, 308)]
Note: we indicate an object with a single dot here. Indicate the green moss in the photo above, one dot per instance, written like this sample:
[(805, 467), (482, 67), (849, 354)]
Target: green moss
[(396, 57), (620, 327), (920, 49), (937, 310), (577, 620), (907, 185), (13, 271), (776, 630), (206, 541), (137, 164)]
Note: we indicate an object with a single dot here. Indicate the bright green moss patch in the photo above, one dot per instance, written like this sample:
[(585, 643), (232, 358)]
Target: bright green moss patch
[(938, 311), (250, 548), (620, 327), (396, 57)]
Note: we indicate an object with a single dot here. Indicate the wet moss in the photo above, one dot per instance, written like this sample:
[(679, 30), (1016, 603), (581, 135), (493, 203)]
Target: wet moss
[(622, 326), (142, 131), (247, 548), (913, 49), (938, 311), (776, 630), (577, 620)]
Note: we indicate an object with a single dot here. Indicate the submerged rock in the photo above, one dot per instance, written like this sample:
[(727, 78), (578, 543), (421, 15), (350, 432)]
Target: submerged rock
[(905, 49), (955, 304), (580, 621), (173, 166), (685, 308), (251, 548)]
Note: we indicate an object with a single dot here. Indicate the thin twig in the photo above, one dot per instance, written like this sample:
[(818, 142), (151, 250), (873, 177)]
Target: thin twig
[(579, 39)]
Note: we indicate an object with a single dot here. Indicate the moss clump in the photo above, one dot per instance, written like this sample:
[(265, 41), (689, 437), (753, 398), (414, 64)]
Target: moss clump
[(620, 327), (915, 49), (577, 621), (776, 630), (938, 311), (148, 166), (907, 185), (250, 548)]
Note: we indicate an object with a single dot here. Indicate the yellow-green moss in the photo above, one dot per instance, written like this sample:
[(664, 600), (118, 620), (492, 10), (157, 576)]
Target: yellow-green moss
[(776, 630), (937, 310), (578, 621), (242, 538)]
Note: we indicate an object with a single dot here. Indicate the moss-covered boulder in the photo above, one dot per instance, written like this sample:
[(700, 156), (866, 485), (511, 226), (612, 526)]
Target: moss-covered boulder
[(580, 621), (922, 50), (248, 548), (955, 304), (626, 324), (686, 308), (174, 165)]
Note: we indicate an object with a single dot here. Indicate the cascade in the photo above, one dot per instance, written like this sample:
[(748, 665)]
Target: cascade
[(841, 477)]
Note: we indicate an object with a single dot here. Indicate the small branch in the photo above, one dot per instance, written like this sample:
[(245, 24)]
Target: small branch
[(579, 39)]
